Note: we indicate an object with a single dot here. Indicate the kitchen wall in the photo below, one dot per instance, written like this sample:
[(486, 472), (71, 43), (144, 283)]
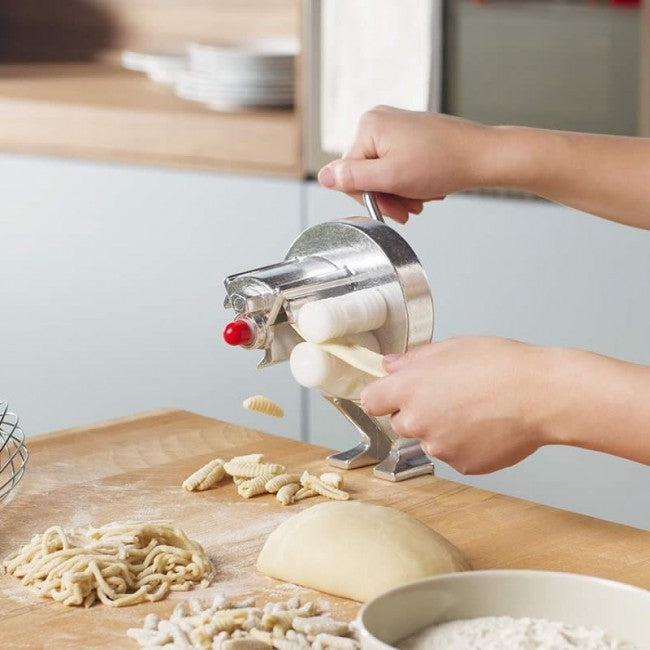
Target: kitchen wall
[(111, 286), (561, 65)]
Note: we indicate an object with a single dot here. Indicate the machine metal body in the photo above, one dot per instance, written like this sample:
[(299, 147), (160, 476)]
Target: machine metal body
[(334, 259)]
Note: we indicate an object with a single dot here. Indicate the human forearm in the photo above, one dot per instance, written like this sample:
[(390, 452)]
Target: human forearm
[(485, 403), (411, 157), (608, 176), (598, 403)]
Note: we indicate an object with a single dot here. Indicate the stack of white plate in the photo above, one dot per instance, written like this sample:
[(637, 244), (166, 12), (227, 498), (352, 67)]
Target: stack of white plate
[(253, 73), (257, 73)]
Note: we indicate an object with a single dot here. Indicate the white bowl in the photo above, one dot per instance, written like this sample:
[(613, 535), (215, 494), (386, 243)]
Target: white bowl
[(619, 609)]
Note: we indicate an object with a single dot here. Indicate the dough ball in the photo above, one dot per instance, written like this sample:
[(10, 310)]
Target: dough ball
[(356, 550)]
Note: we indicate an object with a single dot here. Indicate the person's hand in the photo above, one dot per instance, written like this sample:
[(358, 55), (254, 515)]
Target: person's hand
[(476, 403), (411, 157)]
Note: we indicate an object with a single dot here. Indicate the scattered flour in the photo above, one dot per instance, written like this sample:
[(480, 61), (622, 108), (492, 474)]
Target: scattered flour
[(506, 633)]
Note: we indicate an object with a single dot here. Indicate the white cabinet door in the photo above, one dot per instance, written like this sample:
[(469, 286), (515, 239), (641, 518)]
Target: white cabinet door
[(540, 273), (111, 285)]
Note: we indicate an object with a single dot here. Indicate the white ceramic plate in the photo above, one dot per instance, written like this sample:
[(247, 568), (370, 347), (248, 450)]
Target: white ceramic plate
[(276, 51), (619, 609), (225, 102), (197, 93), (199, 88), (144, 61), (227, 83)]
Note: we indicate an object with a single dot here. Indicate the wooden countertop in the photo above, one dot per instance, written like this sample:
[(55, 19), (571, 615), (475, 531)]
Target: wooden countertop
[(132, 468), (100, 111)]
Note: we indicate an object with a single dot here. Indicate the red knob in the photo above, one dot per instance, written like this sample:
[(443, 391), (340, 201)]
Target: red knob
[(238, 332)]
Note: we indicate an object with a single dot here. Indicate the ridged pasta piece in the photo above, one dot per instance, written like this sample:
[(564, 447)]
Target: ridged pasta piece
[(324, 641), (332, 478), (253, 486), (262, 635), (304, 493), (285, 618), (248, 458), (297, 637), (286, 644), (264, 405), (323, 624), (275, 483), (251, 622), (228, 622), (285, 495), (325, 489), (244, 644), (251, 470), (205, 477)]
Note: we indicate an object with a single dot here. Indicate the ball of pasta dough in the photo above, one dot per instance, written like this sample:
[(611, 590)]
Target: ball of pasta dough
[(356, 550)]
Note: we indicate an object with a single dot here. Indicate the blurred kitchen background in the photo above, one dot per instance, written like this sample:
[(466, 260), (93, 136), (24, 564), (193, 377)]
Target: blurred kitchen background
[(129, 194)]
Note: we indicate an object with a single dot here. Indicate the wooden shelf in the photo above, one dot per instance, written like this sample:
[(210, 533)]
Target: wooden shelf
[(100, 111)]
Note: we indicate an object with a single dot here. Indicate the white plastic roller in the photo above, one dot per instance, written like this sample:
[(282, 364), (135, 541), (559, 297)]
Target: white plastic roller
[(312, 367), (359, 311)]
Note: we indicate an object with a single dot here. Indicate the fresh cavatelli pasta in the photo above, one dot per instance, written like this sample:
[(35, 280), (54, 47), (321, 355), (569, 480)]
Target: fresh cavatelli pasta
[(264, 405), (225, 625), (205, 477)]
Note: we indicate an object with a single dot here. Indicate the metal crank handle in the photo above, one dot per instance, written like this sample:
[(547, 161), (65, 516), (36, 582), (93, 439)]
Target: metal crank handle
[(370, 202)]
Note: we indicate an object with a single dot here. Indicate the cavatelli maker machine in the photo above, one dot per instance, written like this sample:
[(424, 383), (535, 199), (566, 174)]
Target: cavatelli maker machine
[(355, 279)]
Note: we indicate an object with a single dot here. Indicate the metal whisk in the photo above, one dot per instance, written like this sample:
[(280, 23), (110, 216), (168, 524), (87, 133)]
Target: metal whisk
[(13, 452)]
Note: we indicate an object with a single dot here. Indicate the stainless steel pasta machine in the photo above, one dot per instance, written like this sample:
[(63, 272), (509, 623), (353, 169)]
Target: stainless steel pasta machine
[(354, 279)]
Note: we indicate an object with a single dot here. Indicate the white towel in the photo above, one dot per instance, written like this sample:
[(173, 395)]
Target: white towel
[(376, 52)]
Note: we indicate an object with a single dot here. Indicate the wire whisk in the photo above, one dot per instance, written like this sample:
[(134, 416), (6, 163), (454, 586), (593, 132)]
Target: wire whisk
[(13, 452)]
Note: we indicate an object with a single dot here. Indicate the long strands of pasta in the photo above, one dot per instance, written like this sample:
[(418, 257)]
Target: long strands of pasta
[(118, 564)]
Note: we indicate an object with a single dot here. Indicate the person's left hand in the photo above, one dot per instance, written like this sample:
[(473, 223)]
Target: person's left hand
[(476, 403)]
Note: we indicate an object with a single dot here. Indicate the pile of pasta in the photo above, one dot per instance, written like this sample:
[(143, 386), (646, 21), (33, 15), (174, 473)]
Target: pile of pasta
[(254, 476), (226, 625), (118, 564)]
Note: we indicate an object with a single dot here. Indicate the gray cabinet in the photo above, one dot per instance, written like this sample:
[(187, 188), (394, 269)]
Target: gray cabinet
[(111, 285), (563, 65), (540, 273)]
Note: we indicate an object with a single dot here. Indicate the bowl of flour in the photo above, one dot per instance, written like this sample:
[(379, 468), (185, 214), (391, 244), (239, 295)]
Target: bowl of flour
[(508, 610)]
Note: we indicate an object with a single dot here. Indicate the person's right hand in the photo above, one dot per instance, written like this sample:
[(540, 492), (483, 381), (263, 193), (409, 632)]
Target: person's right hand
[(409, 157)]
